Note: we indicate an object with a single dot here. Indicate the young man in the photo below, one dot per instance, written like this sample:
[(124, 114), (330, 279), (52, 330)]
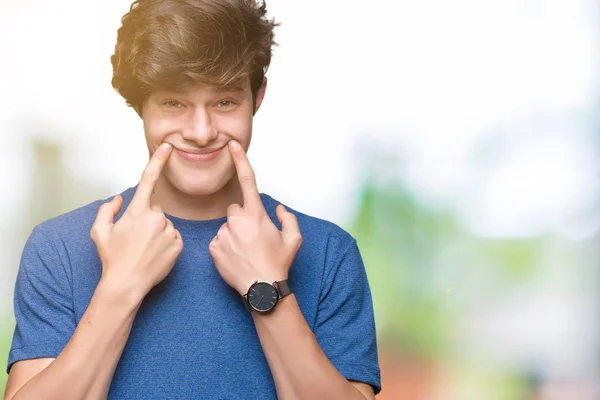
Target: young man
[(192, 284)]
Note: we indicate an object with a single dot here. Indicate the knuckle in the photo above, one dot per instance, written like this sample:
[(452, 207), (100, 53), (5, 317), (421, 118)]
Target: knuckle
[(179, 244), (94, 233), (247, 178), (233, 208), (149, 176), (158, 220), (296, 238)]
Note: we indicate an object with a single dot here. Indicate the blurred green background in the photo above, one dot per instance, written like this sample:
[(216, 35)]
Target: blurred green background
[(457, 141)]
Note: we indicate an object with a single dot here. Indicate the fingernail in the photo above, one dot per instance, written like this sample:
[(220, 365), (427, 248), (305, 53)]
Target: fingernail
[(234, 144), (165, 146)]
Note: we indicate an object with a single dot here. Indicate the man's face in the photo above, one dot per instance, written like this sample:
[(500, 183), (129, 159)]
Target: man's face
[(199, 124)]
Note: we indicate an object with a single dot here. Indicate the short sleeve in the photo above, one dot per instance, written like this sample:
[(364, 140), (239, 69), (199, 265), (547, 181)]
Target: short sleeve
[(345, 324), (43, 304)]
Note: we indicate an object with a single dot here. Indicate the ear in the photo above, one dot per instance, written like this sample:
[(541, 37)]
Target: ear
[(260, 95)]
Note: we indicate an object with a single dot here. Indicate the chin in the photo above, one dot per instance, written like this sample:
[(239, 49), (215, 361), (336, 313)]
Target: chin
[(199, 186)]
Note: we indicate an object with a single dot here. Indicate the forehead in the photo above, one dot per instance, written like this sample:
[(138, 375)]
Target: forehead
[(198, 90)]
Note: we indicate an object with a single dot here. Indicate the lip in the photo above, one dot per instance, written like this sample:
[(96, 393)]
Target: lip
[(198, 156)]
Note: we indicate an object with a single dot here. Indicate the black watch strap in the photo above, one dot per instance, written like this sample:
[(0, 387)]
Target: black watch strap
[(283, 287)]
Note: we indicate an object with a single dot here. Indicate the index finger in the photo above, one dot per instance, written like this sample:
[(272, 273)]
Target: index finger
[(150, 176), (246, 176)]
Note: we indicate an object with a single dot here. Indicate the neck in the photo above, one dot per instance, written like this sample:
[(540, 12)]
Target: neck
[(196, 207)]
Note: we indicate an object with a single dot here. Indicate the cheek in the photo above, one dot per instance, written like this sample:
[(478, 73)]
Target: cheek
[(157, 129), (238, 128)]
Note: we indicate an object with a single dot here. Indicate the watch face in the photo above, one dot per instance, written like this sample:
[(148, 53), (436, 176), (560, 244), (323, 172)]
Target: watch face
[(262, 296)]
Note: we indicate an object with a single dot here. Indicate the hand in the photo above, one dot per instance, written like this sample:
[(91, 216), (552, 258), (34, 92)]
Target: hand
[(139, 250), (249, 247)]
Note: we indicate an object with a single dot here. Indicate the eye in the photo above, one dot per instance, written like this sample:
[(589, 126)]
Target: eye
[(172, 104), (226, 103)]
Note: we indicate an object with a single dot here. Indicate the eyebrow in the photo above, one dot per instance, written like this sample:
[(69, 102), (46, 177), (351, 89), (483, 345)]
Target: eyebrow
[(229, 88)]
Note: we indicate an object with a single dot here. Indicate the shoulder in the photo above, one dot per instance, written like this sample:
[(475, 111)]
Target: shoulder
[(73, 225), (55, 245)]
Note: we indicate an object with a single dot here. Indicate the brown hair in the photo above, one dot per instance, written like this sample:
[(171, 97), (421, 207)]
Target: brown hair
[(174, 44)]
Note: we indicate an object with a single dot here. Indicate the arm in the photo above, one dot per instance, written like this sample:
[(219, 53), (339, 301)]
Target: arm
[(300, 368), (249, 247), (136, 253), (85, 367)]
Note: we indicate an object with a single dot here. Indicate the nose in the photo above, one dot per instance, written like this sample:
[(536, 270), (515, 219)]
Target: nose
[(200, 128)]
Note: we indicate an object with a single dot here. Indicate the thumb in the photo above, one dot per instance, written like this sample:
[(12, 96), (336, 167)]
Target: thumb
[(108, 211), (288, 221)]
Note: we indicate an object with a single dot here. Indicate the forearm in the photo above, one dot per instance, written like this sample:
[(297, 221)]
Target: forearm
[(85, 367), (299, 366)]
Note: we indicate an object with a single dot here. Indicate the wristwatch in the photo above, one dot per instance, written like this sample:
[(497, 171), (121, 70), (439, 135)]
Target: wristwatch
[(263, 296)]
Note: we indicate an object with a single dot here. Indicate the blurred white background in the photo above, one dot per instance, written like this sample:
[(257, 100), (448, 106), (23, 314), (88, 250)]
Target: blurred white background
[(490, 108)]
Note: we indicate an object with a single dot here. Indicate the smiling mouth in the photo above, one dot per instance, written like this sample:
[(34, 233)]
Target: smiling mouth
[(192, 156)]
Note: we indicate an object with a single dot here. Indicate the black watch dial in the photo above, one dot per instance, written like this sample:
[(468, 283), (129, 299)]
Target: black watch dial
[(262, 296)]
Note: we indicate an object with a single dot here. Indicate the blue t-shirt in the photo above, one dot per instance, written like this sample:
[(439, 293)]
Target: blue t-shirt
[(193, 338)]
